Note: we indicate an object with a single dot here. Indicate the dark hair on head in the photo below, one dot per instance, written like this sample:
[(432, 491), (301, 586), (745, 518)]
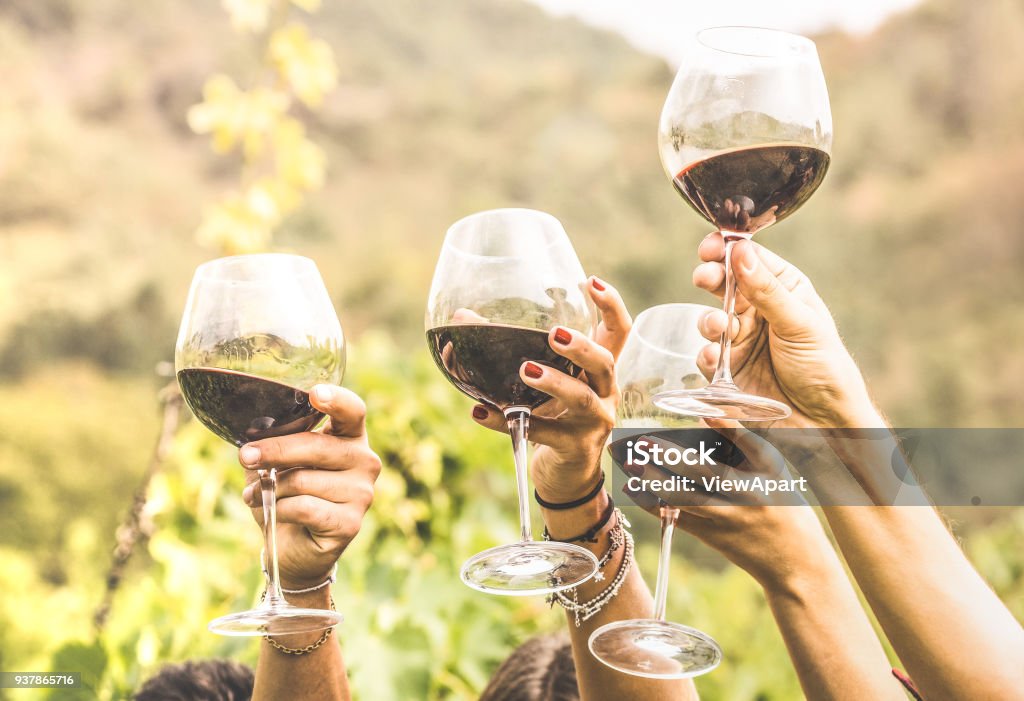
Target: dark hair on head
[(541, 669), (208, 680)]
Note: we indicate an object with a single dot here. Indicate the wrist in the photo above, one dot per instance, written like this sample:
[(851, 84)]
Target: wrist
[(799, 573), (566, 483), (298, 583), (567, 523)]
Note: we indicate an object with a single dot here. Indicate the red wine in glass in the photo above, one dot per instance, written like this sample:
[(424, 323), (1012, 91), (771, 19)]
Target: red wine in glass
[(483, 361), (745, 136), (257, 333), (744, 190), (241, 408), (504, 279)]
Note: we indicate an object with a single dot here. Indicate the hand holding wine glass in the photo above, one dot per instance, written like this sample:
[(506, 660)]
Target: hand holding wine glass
[(257, 334), (570, 430), (324, 486), (659, 356), (745, 135), (784, 343), (506, 282)]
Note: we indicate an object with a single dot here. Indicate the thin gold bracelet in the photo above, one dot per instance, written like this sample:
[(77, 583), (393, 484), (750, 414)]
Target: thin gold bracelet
[(297, 651)]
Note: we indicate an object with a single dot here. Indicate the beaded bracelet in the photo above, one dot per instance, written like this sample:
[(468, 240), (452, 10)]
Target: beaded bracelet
[(588, 609)]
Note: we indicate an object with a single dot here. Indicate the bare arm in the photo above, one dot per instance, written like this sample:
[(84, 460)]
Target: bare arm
[(957, 640), (319, 674), (597, 681), (566, 465), (834, 649), (322, 495)]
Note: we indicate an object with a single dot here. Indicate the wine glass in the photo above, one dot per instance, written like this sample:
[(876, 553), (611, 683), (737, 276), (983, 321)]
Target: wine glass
[(504, 279), (659, 355), (745, 135), (257, 333)]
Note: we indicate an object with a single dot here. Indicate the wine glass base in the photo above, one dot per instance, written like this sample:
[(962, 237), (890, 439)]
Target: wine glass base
[(655, 649), (525, 569), (714, 403), (274, 620)]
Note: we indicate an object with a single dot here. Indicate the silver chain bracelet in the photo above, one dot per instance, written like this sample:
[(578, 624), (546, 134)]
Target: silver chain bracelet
[(586, 610)]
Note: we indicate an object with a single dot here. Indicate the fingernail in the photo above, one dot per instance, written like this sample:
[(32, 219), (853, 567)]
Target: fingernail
[(249, 494), (323, 393), (748, 261), (562, 336), (532, 370), (250, 454), (598, 285), (480, 412)]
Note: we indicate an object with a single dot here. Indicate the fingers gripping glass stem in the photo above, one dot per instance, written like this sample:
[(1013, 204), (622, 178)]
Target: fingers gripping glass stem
[(723, 373), (722, 399)]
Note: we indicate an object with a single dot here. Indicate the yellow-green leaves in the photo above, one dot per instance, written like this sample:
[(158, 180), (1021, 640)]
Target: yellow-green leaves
[(305, 64), (234, 116), (280, 164), (248, 15)]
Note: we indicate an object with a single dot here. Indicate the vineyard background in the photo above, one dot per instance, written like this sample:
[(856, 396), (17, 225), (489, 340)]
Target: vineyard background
[(109, 198)]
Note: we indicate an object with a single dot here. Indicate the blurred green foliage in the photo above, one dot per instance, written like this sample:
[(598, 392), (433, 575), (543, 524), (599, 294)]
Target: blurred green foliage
[(439, 113)]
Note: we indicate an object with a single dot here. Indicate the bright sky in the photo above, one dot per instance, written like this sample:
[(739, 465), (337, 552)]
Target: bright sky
[(661, 26)]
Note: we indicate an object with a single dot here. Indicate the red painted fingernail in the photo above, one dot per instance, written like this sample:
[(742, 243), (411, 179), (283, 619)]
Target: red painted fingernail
[(480, 412), (533, 370), (597, 285), (562, 336)]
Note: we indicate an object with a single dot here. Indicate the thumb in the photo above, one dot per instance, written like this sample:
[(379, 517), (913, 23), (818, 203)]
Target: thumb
[(762, 288)]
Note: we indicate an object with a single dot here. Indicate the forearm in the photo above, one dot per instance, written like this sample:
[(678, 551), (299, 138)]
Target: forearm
[(597, 682), (317, 675), (953, 634), (955, 637), (834, 649)]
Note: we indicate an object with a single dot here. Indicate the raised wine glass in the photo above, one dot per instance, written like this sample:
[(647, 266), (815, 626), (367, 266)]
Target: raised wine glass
[(660, 355), (504, 279), (745, 135), (258, 332)]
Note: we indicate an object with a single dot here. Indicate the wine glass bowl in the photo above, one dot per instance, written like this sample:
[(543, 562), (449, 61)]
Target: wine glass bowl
[(745, 136), (504, 279), (660, 356), (258, 332)]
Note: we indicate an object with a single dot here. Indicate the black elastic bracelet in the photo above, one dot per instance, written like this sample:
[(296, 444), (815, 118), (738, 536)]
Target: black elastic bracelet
[(590, 535), (571, 504)]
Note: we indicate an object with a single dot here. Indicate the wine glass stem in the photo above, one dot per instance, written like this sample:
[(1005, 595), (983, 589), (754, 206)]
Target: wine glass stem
[(518, 428), (723, 374), (668, 527), (268, 487)]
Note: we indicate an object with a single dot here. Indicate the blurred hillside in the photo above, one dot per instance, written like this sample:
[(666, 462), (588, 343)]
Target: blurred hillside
[(911, 240), (493, 104)]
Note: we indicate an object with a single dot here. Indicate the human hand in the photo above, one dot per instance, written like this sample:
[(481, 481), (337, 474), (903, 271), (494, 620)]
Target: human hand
[(775, 536), (571, 430), (324, 486), (785, 345)]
